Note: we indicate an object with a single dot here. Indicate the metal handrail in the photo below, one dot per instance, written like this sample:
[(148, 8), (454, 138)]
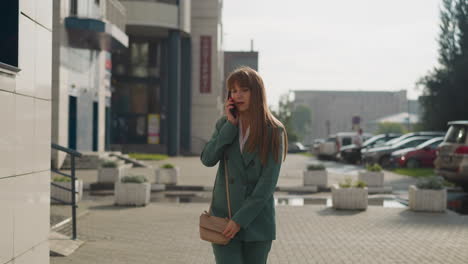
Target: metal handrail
[(67, 150), (73, 154)]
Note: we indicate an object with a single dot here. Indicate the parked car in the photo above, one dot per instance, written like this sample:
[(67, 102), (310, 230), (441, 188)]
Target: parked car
[(316, 145), (452, 155), (296, 147), (382, 154), (331, 147), (415, 134), (352, 153), (422, 155)]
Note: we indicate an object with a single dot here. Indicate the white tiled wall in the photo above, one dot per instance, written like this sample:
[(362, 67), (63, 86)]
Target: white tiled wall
[(6, 220), (31, 211), (28, 7), (26, 56), (44, 13), (25, 118), (43, 63), (42, 134), (7, 136), (37, 254)]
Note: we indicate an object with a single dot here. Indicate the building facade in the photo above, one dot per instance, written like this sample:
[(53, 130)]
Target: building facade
[(85, 34), (207, 70), (167, 83), (151, 79), (25, 115), (236, 59), (333, 111)]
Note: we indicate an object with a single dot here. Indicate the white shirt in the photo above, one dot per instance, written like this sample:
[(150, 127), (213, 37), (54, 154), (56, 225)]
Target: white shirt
[(243, 138)]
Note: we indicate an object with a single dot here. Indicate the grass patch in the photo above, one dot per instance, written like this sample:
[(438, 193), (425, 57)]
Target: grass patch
[(145, 156), (307, 154), (419, 172)]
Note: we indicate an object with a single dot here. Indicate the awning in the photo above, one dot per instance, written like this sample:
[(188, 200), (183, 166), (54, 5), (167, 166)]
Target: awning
[(93, 33)]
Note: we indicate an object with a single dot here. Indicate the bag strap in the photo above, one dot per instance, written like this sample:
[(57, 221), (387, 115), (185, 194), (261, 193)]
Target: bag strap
[(227, 189)]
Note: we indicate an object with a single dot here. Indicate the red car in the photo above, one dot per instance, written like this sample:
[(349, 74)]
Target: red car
[(421, 156)]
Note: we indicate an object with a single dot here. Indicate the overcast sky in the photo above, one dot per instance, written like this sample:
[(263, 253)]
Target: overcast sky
[(336, 45)]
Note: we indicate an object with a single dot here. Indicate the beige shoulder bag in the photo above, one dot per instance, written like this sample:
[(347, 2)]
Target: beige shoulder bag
[(212, 227)]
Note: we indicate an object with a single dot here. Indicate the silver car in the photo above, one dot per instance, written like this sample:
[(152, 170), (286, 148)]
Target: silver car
[(452, 155), (382, 155)]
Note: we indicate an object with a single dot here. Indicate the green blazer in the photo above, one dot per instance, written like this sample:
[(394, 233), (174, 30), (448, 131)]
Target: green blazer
[(251, 185)]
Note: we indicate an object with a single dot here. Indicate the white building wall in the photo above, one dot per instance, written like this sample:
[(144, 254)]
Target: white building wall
[(25, 115), (339, 107), (206, 107), (77, 72)]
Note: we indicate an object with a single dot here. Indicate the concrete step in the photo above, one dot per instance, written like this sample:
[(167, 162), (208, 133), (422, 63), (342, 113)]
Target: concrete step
[(62, 245), (127, 159)]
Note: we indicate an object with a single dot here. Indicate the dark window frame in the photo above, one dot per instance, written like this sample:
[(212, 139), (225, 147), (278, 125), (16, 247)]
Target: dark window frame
[(73, 7), (9, 37)]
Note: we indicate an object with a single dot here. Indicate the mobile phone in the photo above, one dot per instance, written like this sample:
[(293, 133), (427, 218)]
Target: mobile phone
[(233, 110)]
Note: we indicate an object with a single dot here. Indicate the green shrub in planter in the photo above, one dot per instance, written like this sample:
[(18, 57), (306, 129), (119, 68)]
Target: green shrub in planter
[(134, 179), (360, 184), (374, 167), (348, 183), (167, 166), (431, 183), (109, 164), (61, 179), (313, 167)]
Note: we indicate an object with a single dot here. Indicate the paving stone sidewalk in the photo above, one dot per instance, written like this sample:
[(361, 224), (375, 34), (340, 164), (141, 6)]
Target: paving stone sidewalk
[(166, 233)]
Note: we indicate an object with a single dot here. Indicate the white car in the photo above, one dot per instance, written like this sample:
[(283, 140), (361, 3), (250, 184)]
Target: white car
[(331, 147)]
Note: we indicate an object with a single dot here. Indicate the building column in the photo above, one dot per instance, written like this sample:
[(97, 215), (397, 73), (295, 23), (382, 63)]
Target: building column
[(174, 93), (186, 95)]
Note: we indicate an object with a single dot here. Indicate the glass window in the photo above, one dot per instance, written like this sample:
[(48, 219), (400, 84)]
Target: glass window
[(139, 99), (347, 141), (9, 33), (435, 144), (73, 7), (456, 134), (413, 143), (139, 59)]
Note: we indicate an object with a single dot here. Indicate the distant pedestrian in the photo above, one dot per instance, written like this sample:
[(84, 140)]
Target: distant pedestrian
[(358, 141), (254, 144), (358, 138)]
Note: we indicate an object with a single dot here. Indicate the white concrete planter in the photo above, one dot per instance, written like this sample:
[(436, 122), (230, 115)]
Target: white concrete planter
[(110, 174), (65, 195), (132, 193), (167, 176), (315, 177), (427, 200), (349, 198), (372, 178)]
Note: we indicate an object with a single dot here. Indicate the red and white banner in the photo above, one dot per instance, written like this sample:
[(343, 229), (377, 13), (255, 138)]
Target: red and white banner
[(205, 64)]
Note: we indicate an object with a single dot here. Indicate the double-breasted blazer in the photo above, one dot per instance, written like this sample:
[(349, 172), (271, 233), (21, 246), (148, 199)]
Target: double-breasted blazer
[(251, 185)]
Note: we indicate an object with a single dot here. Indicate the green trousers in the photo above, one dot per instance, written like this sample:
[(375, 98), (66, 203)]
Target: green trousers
[(242, 252)]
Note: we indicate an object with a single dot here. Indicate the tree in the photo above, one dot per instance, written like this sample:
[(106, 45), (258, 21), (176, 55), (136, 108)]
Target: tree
[(284, 116), (301, 120), (446, 87)]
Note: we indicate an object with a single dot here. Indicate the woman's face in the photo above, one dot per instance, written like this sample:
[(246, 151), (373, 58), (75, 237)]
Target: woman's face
[(241, 97)]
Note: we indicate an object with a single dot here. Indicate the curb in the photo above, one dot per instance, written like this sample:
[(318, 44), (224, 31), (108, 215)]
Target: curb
[(66, 221)]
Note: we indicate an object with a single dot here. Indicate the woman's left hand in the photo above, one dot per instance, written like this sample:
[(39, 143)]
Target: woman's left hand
[(231, 229)]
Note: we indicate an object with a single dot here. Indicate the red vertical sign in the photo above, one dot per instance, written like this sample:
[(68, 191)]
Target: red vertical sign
[(205, 64)]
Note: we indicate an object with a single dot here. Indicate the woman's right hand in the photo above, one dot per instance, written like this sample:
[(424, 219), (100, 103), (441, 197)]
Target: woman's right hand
[(227, 107)]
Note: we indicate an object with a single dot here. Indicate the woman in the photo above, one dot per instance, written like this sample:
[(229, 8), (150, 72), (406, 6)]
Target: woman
[(251, 142)]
